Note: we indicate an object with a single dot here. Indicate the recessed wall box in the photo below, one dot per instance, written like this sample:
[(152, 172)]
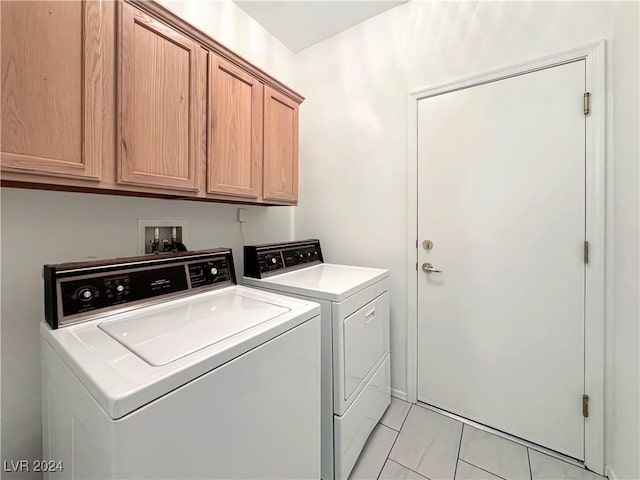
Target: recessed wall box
[(161, 235)]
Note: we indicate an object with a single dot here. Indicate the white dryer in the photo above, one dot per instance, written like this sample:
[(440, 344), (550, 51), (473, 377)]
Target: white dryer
[(356, 379), (162, 367)]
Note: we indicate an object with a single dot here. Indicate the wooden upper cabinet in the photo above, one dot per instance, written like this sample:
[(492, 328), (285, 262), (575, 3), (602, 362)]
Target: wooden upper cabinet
[(159, 104), (126, 97), (52, 87), (234, 161), (280, 171)]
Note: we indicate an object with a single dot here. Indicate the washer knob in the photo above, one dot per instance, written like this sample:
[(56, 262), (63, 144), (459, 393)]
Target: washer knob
[(214, 271), (85, 294), (120, 288), (273, 260)]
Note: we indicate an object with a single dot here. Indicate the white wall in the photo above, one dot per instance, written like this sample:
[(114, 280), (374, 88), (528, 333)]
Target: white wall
[(225, 22), (41, 227), (353, 150)]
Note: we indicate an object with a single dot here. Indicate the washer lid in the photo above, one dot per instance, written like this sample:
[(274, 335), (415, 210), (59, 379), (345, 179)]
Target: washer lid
[(121, 380), (162, 336)]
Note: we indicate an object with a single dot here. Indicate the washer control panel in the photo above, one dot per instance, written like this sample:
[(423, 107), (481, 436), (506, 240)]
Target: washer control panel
[(211, 272), (77, 291), (261, 261)]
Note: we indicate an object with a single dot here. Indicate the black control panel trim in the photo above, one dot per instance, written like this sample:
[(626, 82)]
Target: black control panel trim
[(135, 262), (76, 292), (261, 261), (50, 296)]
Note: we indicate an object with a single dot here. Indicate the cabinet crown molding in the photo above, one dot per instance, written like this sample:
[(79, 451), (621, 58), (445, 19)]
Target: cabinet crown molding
[(209, 43)]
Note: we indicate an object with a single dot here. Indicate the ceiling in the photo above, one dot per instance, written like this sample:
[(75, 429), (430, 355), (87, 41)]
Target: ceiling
[(300, 24)]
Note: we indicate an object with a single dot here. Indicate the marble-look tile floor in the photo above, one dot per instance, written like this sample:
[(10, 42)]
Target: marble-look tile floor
[(412, 442)]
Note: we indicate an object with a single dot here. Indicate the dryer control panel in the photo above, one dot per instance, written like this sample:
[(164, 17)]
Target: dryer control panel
[(261, 261), (77, 292)]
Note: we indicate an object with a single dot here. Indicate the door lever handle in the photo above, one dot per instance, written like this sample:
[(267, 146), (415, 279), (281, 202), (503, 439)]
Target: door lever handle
[(428, 268)]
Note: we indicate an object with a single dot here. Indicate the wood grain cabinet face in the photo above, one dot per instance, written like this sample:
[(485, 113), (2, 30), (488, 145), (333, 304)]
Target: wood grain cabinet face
[(159, 103), (52, 87), (235, 131), (280, 169)]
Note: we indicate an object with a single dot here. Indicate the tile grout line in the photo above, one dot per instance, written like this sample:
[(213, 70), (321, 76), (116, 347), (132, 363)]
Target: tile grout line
[(407, 468), (403, 420), (484, 469), (383, 465), (378, 425), (492, 434), (455, 470), (511, 438), (395, 440), (480, 468)]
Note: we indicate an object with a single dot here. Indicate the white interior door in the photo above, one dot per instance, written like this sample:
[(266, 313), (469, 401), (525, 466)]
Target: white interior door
[(501, 194)]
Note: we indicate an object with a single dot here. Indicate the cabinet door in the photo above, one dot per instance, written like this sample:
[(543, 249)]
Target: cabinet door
[(280, 181), (159, 102), (52, 87), (235, 131)]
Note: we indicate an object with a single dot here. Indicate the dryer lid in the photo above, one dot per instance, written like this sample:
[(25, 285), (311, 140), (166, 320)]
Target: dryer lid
[(162, 336), (325, 281)]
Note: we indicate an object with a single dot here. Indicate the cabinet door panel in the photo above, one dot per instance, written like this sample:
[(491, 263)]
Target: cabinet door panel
[(235, 131), (280, 170), (52, 87), (158, 104)]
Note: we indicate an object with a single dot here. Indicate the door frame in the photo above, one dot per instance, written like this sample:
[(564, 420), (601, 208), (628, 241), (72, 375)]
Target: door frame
[(596, 168)]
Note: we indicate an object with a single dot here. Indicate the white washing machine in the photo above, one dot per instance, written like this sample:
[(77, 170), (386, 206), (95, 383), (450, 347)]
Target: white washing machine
[(162, 367), (356, 378)]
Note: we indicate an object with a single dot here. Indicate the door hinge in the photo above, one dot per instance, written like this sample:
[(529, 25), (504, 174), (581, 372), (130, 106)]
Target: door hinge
[(587, 103), (586, 252), (416, 266), (585, 406), (416, 243)]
